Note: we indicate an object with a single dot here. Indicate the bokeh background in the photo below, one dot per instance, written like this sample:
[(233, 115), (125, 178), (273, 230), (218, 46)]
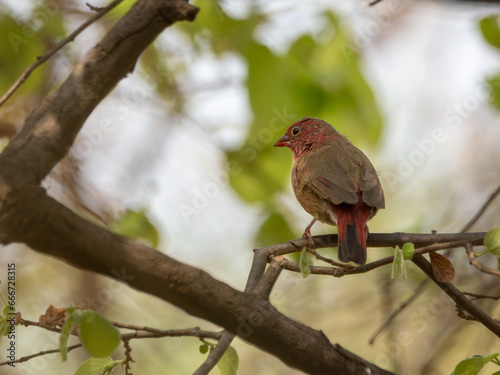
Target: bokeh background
[(180, 156)]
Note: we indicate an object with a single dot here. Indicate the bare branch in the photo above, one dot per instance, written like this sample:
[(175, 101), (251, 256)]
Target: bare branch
[(460, 299), (351, 270), (44, 352), (416, 293), (472, 260), (216, 354), (481, 211), (261, 288), (480, 296)]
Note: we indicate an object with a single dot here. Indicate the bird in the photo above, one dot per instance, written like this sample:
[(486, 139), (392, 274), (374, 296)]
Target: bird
[(335, 182)]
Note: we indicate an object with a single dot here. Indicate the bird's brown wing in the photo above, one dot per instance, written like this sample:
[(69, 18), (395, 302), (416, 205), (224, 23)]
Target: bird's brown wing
[(338, 171)]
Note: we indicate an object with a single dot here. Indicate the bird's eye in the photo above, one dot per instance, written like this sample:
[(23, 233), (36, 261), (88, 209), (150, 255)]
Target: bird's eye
[(295, 131)]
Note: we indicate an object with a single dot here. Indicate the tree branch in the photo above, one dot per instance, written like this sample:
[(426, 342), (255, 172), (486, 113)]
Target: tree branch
[(472, 260), (375, 240), (39, 354), (29, 216), (481, 211), (460, 299)]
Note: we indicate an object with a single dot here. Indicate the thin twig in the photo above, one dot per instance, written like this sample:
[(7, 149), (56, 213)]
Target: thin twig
[(472, 260), (460, 299), (417, 292), (339, 272), (328, 260), (260, 282), (481, 211), (480, 296), (44, 352), (41, 59), (418, 251), (260, 259), (188, 332), (314, 270), (466, 228), (216, 354)]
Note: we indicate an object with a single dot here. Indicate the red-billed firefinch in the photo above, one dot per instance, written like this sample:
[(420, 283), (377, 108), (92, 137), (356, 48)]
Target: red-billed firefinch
[(334, 182)]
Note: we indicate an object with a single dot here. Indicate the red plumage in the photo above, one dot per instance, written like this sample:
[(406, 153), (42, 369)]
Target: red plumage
[(334, 182)]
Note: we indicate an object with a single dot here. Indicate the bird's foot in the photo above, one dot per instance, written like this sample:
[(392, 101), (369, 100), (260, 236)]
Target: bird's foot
[(307, 234)]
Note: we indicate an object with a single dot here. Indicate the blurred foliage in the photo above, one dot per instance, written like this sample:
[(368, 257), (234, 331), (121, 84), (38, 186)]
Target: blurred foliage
[(314, 77), (137, 226), (491, 32), (22, 44), (317, 75)]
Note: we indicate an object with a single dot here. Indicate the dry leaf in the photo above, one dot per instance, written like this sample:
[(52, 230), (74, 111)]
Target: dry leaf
[(441, 267), (53, 317)]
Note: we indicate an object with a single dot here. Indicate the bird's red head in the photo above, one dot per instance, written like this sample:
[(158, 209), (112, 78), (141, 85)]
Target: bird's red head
[(307, 134)]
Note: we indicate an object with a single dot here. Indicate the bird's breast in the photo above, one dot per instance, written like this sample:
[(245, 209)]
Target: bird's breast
[(315, 205)]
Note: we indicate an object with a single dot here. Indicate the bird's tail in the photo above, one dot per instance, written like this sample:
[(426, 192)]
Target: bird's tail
[(351, 223)]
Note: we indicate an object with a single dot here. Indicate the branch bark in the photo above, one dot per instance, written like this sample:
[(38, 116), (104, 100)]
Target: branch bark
[(29, 216), (460, 299)]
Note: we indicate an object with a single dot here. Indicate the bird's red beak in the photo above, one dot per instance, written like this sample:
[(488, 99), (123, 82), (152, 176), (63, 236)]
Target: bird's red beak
[(284, 141)]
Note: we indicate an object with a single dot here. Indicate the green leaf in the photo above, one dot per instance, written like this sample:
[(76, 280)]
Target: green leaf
[(399, 265), (99, 337), (492, 241), (305, 261), (228, 364), (97, 366), (408, 249), (203, 348), (491, 32), (136, 225), (65, 334), (493, 83), (472, 365)]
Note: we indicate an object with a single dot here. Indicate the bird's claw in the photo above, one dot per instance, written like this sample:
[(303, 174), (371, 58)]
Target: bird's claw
[(307, 234)]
